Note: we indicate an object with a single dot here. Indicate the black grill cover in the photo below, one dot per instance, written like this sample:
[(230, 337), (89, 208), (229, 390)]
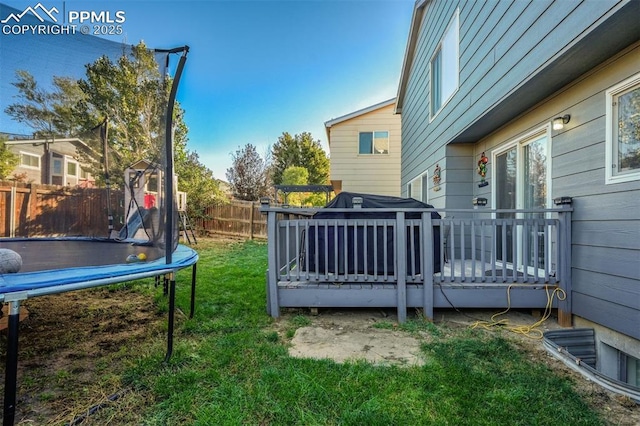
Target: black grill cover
[(355, 263)]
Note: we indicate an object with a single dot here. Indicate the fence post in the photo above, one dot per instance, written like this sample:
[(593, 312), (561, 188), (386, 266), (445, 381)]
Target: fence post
[(401, 266), (251, 222), (427, 262), (12, 212), (565, 246), (33, 208)]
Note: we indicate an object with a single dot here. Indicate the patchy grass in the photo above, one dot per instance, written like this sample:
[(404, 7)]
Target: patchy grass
[(229, 368)]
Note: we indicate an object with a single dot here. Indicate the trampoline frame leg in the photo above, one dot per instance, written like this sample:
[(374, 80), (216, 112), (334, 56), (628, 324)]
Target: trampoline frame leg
[(11, 365), (172, 304), (193, 290), (11, 368)]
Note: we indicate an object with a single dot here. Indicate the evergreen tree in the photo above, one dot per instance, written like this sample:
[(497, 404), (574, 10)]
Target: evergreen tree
[(302, 151)]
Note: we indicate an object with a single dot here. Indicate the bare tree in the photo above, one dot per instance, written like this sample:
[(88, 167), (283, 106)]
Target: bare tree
[(249, 175)]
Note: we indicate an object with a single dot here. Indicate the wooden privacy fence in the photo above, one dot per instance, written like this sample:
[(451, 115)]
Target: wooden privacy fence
[(236, 219), (33, 210)]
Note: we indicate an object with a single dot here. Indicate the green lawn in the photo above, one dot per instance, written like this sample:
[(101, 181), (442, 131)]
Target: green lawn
[(230, 368)]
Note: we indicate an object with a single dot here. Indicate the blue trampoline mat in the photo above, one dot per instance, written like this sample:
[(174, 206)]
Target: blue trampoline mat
[(55, 265)]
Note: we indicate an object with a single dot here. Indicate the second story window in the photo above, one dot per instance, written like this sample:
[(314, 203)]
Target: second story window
[(445, 67), (374, 143)]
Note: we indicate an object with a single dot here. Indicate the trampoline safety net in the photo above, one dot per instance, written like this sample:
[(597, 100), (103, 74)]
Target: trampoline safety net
[(89, 123)]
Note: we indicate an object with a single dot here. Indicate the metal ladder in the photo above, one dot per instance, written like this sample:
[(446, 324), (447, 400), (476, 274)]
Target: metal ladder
[(186, 228)]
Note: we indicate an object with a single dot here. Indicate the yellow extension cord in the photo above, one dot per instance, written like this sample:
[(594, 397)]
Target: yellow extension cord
[(530, 331)]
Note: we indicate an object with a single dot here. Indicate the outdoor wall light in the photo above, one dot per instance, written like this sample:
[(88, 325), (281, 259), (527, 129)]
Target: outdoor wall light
[(559, 122), (479, 202)]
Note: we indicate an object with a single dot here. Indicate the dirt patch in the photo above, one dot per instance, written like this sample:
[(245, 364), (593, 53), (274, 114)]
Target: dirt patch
[(349, 335), (68, 345), (352, 335)]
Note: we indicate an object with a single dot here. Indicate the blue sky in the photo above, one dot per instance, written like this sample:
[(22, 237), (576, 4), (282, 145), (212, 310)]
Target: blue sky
[(259, 68)]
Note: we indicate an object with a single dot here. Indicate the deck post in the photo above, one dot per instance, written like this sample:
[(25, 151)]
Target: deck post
[(427, 265), (564, 306), (401, 267), (273, 307)]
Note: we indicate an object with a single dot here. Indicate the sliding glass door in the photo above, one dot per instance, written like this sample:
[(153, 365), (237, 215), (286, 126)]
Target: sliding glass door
[(521, 182)]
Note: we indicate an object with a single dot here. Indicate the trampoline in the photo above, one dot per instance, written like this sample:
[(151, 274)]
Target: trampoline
[(80, 263), (62, 243), (58, 265)]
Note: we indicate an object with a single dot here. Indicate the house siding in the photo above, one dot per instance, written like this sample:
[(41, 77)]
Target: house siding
[(67, 150), (504, 45), (606, 224), (372, 174), (31, 174), (501, 43)]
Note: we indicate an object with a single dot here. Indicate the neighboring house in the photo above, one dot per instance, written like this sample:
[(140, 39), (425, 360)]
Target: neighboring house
[(53, 162), (488, 79), (365, 150)]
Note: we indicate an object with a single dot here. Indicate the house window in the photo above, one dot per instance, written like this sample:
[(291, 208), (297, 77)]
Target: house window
[(29, 160), (521, 174), (57, 168), (623, 131), (619, 365), (629, 369), (72, 168), (445, 67), (374, 143), (418, 188), (152, 182)]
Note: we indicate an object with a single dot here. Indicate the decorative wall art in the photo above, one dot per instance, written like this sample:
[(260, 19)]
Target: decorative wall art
[(436, 178), (482, 170)]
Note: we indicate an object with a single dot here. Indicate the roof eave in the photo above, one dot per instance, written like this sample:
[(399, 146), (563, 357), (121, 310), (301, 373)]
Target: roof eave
[(351, 115), (416, 21)]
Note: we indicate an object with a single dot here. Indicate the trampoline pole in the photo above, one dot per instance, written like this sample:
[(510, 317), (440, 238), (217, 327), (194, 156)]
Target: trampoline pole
[(104, 131), (172, 304), (11, 369), (169, 183)]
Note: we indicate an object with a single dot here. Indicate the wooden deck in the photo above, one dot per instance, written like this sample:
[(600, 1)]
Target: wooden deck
[(463, 259)]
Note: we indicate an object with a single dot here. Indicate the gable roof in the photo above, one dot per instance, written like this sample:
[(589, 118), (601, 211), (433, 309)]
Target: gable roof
[(363, 111), (359, 112)]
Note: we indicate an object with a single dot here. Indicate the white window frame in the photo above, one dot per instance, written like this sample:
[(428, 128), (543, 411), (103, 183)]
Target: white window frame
[(373, 142), (30, 154), (611, 142), (419, 182), (520, 143), (66, 166), (69, 179), (453, 30)]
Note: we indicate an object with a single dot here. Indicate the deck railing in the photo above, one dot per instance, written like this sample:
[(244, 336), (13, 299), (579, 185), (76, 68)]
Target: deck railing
[(453, 249)]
